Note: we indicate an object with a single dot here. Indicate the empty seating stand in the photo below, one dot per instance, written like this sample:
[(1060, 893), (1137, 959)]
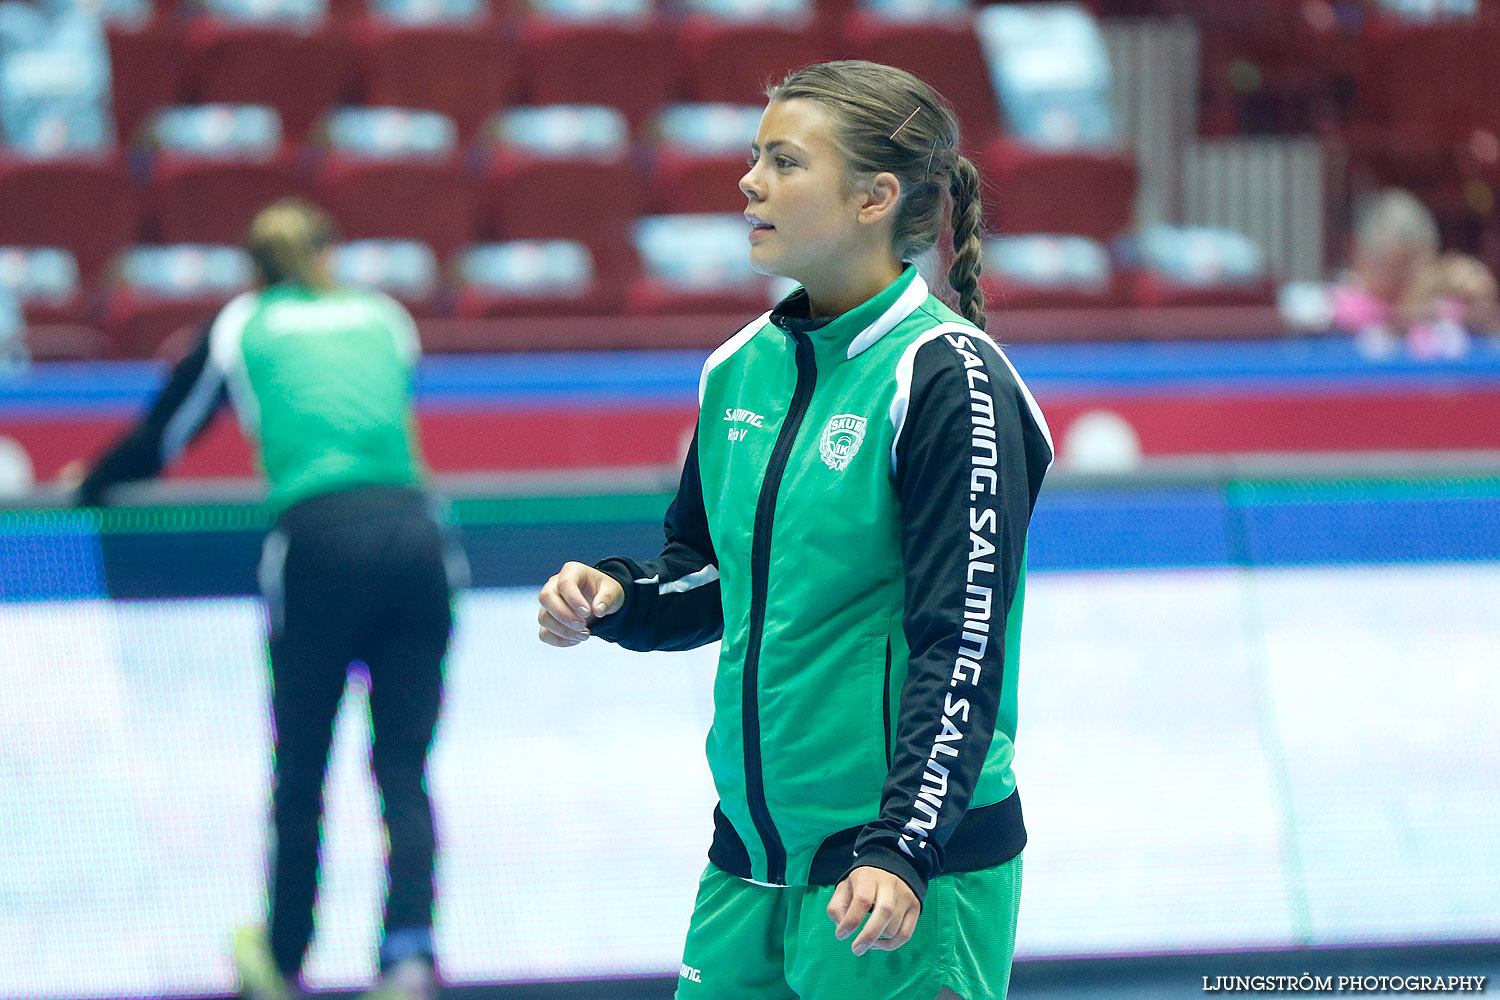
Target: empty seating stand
[(582, 157), (618, 55), (157, 291), (231, 45), (731, 50), (698, 157), (448, 59), (562, 173), (209, 169), (391, 173)]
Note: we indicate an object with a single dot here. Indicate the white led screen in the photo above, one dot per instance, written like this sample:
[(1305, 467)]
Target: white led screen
[(1208, 758)]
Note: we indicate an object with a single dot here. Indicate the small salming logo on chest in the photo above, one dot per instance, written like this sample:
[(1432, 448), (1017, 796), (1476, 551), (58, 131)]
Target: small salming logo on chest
[(841, 440), (744, 417)]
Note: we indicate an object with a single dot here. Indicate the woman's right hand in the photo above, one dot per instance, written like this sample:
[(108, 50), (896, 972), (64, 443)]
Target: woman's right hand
[(574, 598)]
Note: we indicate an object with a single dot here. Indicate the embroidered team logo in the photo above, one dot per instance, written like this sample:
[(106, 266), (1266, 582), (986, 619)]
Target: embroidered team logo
[(841, 440)]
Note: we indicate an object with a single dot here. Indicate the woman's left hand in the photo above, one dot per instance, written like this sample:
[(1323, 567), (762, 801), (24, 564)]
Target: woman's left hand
[(892, 906)]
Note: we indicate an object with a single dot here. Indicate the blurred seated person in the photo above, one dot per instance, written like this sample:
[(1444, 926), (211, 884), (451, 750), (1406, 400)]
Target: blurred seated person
[(1399, 287)]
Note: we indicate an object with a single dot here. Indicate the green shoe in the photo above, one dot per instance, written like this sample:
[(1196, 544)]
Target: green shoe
[(259, 979)]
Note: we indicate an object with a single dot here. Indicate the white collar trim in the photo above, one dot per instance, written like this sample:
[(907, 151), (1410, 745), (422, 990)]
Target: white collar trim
[(915, 295)]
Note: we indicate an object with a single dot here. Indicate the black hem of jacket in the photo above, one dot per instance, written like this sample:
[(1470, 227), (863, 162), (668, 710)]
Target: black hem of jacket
[(987, 836)]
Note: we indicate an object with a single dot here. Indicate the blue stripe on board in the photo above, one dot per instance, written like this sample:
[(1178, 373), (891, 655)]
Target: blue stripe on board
[(671, 377), (1073, 530), (1093, 530), (1196, 527), (51, 564), (1372, 531)]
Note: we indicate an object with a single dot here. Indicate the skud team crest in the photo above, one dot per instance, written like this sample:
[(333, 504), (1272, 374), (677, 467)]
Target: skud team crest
[(841, 440)]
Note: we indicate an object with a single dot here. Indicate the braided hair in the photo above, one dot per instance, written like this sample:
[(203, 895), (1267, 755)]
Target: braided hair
[(888, 121)]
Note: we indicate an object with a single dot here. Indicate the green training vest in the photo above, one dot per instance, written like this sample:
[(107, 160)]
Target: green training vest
[(322, 383)]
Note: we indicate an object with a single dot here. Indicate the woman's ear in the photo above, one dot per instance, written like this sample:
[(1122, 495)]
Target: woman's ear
[(880, 195)]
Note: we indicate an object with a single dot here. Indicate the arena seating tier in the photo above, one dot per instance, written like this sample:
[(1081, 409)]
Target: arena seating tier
[(1410, 102)]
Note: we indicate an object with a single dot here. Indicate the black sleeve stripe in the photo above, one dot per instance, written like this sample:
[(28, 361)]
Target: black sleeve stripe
[(968, 460), (197, 406), (179, 412), (954, 332)]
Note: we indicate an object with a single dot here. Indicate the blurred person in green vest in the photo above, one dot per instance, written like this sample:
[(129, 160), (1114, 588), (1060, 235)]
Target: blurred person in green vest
[(357, 568)]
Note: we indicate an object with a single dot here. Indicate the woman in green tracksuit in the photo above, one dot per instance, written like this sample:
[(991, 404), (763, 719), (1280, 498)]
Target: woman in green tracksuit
[(851, 521), (357, 568)]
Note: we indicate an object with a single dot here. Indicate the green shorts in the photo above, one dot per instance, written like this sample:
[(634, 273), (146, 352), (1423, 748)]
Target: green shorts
[(755, 942)]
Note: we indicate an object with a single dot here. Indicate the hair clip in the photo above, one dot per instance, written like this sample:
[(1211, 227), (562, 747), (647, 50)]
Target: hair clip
[(904, 124)]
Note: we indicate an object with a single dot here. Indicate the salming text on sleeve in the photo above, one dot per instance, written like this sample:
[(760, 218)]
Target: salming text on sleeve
[(968, 461)]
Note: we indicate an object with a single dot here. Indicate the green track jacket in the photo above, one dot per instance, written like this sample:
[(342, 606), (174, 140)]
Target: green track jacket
[(852, 523), (322, 383)]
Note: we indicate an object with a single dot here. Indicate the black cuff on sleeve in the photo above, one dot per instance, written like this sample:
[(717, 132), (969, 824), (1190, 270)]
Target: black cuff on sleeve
[(893, 861), (613, 628)]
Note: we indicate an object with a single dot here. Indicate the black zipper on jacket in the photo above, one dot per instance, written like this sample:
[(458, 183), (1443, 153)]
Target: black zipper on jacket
[(885, 707), (760, 571)]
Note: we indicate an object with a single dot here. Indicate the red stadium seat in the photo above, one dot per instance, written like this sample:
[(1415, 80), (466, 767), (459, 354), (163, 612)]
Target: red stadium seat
[(735, 62), (650, 297), (300, 75), (1002, 293), (146, 67), (462, 71), (698, 156), (1150, 290), (944, 54), (45, 281), (202, 200), (138, 326), (87, 206), (427, 200), (155, 291), (74, 310), (479, 295), (48, 340), (592, 201), (1434, 84), (1038, 191), (695, 264), (627, 66), (346, 12), (478, 303), (405, 270), (684, 181)]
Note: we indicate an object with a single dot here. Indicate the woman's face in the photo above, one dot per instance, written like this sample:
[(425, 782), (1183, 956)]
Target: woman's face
[(804, 217)]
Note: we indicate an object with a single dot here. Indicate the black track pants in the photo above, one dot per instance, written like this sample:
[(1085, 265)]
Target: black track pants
[(354, 575)]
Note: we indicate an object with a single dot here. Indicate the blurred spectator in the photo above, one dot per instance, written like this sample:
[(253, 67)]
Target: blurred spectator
[(54, 81), (1400, 287)]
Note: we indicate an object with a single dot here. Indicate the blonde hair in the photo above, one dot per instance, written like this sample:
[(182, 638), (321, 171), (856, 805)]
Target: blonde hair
[(1394, 217), (888, 121), (287, 238)]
